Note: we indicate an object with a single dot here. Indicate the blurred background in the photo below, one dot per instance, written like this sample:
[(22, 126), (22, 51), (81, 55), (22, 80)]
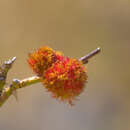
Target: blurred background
[(74, 27)]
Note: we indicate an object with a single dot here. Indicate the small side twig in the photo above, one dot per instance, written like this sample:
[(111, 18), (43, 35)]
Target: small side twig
[(16, 84), (85, 59)]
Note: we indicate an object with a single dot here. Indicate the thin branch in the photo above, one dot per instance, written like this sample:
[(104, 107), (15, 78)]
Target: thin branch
[(85, 59), (4, 70), (16, 84)]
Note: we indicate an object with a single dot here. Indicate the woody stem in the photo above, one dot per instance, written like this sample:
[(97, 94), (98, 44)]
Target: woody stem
[(85, 59)]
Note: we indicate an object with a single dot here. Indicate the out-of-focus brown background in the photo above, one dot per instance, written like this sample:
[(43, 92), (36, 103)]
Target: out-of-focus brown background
[(75, 27)]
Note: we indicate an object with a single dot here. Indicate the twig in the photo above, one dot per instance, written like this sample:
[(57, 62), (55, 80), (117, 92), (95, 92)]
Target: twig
[(85, 59), (3, 72), (16, 84)]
